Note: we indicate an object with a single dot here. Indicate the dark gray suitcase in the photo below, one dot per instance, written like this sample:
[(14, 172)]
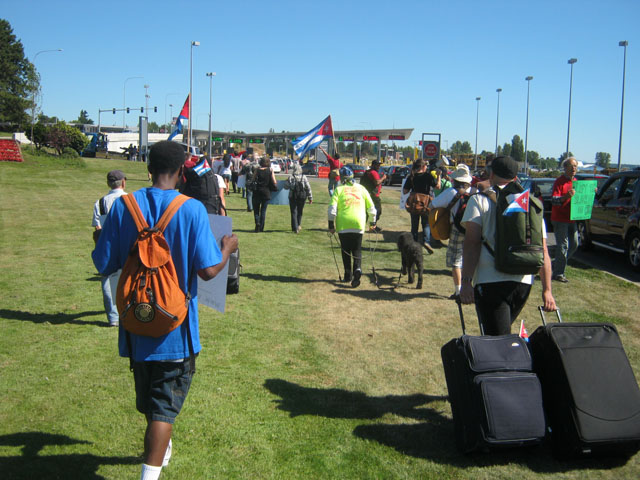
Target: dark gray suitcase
[(590, 393), (496, 399)]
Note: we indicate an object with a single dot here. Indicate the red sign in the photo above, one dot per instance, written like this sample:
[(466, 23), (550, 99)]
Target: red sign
[(396, 137), (370, 138), (431, 149)]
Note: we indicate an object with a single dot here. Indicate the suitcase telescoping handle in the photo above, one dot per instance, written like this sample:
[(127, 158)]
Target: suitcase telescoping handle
[(544, 318), (462, 319)]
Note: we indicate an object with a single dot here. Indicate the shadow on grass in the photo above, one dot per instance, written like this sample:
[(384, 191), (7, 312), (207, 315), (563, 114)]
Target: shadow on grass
[(54, 318), (31, 465), (387, 292), (283, 278), (431, 439)]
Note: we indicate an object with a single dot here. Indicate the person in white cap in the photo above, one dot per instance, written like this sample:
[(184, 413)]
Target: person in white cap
[(459, 195)]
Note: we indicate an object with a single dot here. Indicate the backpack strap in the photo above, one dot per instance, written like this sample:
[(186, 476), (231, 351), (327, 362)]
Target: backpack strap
[(170, 211), (132, 205), (103, 206), (491, 194)]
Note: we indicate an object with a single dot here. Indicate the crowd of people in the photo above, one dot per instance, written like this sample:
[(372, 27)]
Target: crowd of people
[(167, 363)]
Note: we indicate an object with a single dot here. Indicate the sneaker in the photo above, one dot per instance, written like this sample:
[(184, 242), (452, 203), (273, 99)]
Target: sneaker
[(356, 278), (561, 278), (428, 247), (299, 228), (167, 455), (114, 324)]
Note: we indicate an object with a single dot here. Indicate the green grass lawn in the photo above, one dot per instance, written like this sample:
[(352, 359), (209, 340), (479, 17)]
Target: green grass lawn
[(302, 377)]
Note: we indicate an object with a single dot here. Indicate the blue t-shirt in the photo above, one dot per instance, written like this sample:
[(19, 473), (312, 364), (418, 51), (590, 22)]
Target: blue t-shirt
[(193, 247)]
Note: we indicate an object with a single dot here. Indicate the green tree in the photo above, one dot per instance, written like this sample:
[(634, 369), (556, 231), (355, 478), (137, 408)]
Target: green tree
[(563, 156), (18, 78), (459, 147), (42, 118), (40, 133), (153, 127), (533, 158), (603, 159), (506, 149), (517, 149), (83, 118), (61, 136)]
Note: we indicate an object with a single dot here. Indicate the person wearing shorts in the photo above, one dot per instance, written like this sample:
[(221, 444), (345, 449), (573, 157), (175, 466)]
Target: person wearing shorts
[(164, 366)]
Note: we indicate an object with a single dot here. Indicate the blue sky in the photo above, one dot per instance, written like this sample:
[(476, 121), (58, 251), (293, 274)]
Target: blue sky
[(370, 64)]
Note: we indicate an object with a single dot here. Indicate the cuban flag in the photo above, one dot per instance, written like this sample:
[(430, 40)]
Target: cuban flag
[(184, 115), (523, 331), (202, 167), (518, 202), (313, 137)]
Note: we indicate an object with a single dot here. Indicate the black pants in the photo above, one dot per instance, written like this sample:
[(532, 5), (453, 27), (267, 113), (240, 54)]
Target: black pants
[(260, 204), (296, 207), (234, 180), (499, 304), (351, 244)]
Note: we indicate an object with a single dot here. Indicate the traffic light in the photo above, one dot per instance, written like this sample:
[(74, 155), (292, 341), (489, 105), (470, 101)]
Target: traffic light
[(127, 109), (141, 109), (155, 109), (114, 111)]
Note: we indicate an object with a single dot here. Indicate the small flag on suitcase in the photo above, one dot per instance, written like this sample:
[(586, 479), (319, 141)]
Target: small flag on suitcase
[(523, 331)]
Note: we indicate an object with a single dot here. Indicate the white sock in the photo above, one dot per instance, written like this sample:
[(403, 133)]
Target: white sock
[(150, 472), (458, 287)]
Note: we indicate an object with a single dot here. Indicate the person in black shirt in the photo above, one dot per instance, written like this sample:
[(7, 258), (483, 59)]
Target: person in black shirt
[(420, 181)]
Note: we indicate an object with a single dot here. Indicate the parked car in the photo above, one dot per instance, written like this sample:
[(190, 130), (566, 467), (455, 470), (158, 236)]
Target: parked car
[(358, 170), (614, 222), (542, 188), (383, 170), (310, 168), (598, 177), (275, 166), (396, 174)]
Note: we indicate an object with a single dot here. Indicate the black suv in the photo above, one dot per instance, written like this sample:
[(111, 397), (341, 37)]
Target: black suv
[(614, 218)]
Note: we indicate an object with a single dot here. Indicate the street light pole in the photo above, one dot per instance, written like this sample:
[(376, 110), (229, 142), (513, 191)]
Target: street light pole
[(33, 103), (146, 101), (193, 44), (526, 131), (624, 44), (210, 75), (571, 61), (124, 99), (475, 156), (165, 106), (497, 119)]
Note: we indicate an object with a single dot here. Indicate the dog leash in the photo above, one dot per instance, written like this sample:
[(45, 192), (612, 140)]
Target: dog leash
[(372, 248), (331, 235)]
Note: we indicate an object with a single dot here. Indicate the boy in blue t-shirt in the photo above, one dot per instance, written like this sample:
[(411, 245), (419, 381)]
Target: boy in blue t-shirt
[(161, 366)]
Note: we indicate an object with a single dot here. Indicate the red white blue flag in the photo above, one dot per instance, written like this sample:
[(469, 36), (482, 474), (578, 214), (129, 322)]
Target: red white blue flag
[(202, 167), (184, 115), (313, 137), (518, 202), (523, 331)]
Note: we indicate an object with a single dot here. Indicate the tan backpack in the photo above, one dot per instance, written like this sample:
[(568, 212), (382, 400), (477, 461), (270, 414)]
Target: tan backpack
[(149, 298)]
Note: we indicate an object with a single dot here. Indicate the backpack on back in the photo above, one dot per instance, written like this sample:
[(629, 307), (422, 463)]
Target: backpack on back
[(518, 243), (149, 298), (367, 181), (201, 184), (297, 188)]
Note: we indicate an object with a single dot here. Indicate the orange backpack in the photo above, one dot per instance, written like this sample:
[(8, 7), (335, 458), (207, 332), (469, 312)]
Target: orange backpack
[(149, 298)]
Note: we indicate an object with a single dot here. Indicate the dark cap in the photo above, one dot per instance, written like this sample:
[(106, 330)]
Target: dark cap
[(375, 162), (505, 167), (115, 175)]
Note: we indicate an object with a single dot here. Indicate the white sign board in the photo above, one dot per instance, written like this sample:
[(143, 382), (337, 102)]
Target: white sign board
[(213, 293)]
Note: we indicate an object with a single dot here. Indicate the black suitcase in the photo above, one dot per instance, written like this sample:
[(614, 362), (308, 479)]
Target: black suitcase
[(233, 277), (590, 393), (495, 397)]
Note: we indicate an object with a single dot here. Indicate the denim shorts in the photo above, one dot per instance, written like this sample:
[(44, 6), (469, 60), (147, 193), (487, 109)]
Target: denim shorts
[(161, 388)]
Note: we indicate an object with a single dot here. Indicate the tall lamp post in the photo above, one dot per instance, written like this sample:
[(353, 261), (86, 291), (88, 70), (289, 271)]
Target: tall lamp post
[(33, 103), (526, 130), (475, 155), (624, 44), (497, 119), (210, 75), (124, 99), (571, 61), (165, 107), (193, 44), (146, 101)]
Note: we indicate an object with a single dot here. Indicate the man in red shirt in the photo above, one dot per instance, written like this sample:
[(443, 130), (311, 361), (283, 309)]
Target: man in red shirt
[(373, 183), (564, 228), (334, 170)]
